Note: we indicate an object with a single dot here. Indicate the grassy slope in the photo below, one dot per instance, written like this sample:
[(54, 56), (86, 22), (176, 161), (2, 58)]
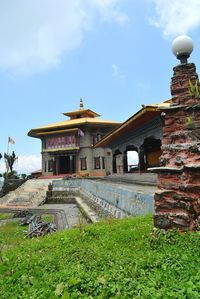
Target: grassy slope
[(114, 259)]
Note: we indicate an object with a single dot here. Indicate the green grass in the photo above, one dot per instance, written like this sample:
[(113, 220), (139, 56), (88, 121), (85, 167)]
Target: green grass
[(112, 259), (4, 216), (11, 234), (47, 217)]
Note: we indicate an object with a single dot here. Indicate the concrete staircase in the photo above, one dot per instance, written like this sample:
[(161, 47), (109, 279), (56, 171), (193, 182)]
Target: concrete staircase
[(31, 193)]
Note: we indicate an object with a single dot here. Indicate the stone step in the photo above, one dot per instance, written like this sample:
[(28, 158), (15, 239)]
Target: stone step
[(32, 192)]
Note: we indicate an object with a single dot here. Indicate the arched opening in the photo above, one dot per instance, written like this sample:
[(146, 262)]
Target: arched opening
[(152, 151), (131, 159)]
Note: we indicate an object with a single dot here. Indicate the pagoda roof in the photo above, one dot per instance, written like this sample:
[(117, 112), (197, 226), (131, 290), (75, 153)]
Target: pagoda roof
[(81, 117), (70, 125), (81, 112), (141, 117), (87, 112)]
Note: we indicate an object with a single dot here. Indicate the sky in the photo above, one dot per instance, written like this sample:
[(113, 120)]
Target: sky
[(115, 54)]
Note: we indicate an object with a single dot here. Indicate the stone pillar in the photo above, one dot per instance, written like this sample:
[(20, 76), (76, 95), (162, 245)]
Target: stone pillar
[(141, 162), (119, 164), (125, 162), (177, 200)]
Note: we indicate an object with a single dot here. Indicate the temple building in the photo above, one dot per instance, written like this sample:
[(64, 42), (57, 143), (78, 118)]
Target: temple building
[(142, 134), (67, 146)]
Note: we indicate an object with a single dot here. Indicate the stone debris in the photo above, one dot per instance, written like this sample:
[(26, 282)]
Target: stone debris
[(22, 214), (38, 227)]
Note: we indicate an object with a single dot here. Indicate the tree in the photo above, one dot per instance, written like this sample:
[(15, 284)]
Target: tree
[(0, 159), (10, 160), (24, 176)]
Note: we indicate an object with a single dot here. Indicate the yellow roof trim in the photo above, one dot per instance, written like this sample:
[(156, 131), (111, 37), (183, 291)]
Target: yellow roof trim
[(148, 108), (138, 114), (60, 149), (78, 121), (57, 132), (87, 111)]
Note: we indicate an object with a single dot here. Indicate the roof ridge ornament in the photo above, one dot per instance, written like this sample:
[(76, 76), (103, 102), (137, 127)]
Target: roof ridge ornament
[(81, 104)]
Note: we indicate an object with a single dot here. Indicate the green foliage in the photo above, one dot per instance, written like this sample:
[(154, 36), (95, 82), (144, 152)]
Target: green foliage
[(4, 216), (47, 217), (190, 122), (193, 89), (10, 160), (111, 259), (161, 237), (10, 175), (23, 176)]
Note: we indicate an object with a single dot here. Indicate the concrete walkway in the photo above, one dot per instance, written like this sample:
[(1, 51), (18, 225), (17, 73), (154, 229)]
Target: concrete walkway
[(145, 179), (134, 186)]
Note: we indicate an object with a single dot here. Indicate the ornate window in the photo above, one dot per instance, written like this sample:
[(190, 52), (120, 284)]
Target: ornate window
[(50, 165), (83, 163), (96, 138), (97, 163)]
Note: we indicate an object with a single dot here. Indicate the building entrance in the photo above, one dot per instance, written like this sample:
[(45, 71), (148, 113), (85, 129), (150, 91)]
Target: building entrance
[(67, 164)]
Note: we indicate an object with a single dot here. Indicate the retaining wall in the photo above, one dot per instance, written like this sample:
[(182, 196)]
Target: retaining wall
[(133, 203)]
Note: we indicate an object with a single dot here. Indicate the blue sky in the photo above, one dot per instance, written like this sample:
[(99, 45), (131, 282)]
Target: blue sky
[(115, 54)]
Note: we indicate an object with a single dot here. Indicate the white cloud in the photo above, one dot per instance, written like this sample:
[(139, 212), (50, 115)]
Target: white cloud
[(25, 164), (34, 34), (109, 10), (116, 72), (176, 17)]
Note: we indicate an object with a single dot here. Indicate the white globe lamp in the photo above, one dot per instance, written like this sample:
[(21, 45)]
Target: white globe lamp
[(182, 47)]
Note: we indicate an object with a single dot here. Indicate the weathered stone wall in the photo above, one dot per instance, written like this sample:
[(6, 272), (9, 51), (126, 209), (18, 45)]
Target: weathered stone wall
[(177, 202), (133, 203)]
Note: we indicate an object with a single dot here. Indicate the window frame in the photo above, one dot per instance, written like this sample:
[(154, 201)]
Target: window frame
[(50, 165), (83, 161), (97, 163)]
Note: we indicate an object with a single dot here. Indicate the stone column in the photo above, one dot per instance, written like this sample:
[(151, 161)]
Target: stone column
[(177, 200), (125, 161), (141, 162), (119, 164)]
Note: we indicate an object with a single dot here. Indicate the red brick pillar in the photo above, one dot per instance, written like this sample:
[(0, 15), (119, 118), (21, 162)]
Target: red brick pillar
[(177, 200)]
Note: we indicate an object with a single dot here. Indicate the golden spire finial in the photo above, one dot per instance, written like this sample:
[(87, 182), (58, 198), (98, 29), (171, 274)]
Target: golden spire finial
[(81, 104)]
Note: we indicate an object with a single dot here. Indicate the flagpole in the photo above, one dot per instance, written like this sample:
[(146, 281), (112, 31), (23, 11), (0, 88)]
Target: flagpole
[(6, 163), (8, 146)]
